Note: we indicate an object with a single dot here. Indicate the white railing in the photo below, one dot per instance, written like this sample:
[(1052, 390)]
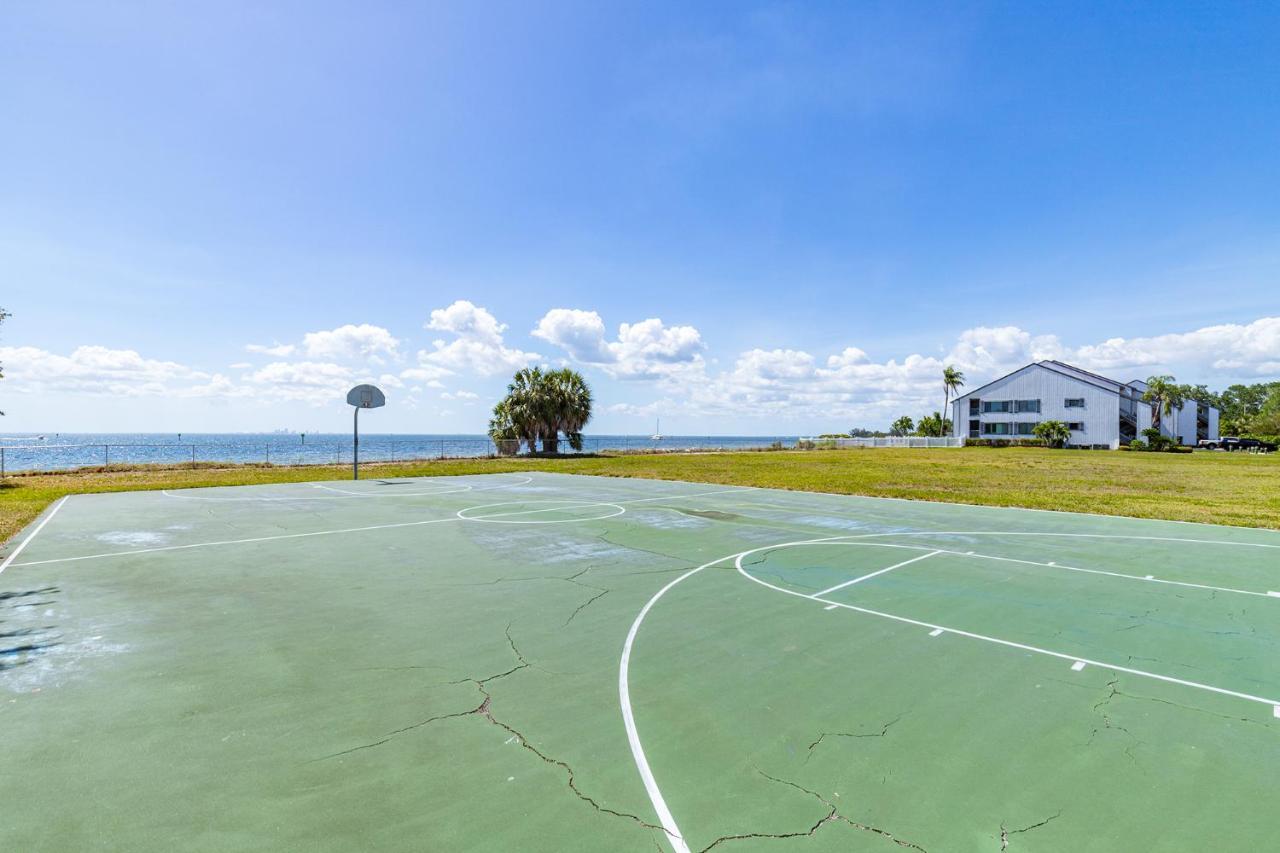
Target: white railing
[(888, 441)]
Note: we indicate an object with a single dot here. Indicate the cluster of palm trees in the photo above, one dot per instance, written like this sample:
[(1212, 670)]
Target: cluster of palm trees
[(541, 406)]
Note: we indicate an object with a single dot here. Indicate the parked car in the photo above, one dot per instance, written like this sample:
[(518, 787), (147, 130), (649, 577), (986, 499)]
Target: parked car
[(1231, 442)]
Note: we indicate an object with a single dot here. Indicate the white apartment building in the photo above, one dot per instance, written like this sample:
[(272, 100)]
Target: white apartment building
[(1100, 412)]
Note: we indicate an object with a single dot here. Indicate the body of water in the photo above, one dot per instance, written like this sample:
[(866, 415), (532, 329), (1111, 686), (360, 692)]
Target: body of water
[(62, 451)]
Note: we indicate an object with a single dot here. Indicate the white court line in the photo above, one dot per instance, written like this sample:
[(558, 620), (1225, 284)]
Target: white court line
[(329, 532), (32, 535), (1147, 578), (674, 836), (882, 571), (996, 640), (393, 493), (668, 821), (346, 495), (1072, 535), (235, 542), (843, 540)]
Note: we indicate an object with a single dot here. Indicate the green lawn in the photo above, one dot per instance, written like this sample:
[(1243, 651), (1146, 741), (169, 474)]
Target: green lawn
[(1218, 488)]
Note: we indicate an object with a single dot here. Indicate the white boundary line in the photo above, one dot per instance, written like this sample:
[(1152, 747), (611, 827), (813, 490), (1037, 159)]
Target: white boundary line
[(348, 530), (667, 819), (977, 556), (393, 493), (346, 495), (234, 542), (880, 572), (32, 535), (960, 632), (936, 503)]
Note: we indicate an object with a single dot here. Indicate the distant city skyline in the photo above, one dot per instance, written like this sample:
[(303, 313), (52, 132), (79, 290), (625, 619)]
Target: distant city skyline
[(762, 219)]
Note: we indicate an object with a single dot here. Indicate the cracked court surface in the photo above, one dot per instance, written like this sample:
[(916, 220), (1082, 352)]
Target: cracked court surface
[(547, 662)]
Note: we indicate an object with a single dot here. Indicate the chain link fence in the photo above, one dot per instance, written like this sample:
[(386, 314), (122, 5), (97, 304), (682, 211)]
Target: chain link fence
[(64, 457)]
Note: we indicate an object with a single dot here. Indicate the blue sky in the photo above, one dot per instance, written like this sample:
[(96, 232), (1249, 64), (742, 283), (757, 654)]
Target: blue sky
[(218, 218)]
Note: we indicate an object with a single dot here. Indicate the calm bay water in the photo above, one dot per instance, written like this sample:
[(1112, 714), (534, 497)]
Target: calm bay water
[(60, 451)]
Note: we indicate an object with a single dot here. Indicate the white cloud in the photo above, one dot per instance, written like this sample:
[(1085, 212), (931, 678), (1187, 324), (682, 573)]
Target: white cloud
[(309, 381), (578, 333), (645, 350), (794, 385), (351, 342), (93, 370), (467, 320), (478, 346), (275, 350), (1243, 350), (345, 343)]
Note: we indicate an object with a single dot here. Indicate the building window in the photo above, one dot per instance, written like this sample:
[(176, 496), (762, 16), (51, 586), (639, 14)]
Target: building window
[(975, 429), (997, 429), (1075, 426), (1073, 403), (974, 405), (1026, 405), (997, 405), (1026, 428)]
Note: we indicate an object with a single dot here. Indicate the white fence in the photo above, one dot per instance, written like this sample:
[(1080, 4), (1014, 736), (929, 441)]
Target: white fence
[(888, 441)]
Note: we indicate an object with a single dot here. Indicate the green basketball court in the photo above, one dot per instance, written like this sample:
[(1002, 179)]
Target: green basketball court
[(546, 662)]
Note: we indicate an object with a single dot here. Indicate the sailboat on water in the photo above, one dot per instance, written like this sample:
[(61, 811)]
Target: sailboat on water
[(657, 430)]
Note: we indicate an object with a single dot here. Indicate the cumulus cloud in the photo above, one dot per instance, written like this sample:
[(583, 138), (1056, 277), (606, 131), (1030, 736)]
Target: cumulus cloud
[(351, 342), (788, 384), (275, 350), (345, 343), (842, 387), (478, 345), (646, 350), (310, 381), (1250, 349), (93, 370)]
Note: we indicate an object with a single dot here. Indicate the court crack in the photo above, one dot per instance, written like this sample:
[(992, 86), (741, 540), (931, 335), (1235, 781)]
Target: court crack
[(833, 816), (1005, 832), (484, 710), (884, 730), (1108, 724)]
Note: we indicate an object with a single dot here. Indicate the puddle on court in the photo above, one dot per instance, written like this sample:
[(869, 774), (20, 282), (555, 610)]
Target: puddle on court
[(133, 538)]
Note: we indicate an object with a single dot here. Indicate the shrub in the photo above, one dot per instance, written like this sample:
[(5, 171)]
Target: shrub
[(1053, 433)]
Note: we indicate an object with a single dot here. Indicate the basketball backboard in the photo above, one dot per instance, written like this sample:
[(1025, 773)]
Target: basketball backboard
[(366, 397)]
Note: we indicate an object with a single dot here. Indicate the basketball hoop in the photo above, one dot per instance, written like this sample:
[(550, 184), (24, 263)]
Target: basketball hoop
[(361, 397)]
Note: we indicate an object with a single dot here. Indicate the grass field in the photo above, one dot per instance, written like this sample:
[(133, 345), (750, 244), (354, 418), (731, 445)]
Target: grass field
[(1218, 488), (542, 662)]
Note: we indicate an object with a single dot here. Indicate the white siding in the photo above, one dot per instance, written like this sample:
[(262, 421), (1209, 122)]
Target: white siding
[(1100, 415)]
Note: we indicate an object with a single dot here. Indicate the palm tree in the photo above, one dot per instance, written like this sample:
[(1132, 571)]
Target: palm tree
[(952, 381), (541, 406), (1165, 397), (503, 431), (568, 408), (902, 426)]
